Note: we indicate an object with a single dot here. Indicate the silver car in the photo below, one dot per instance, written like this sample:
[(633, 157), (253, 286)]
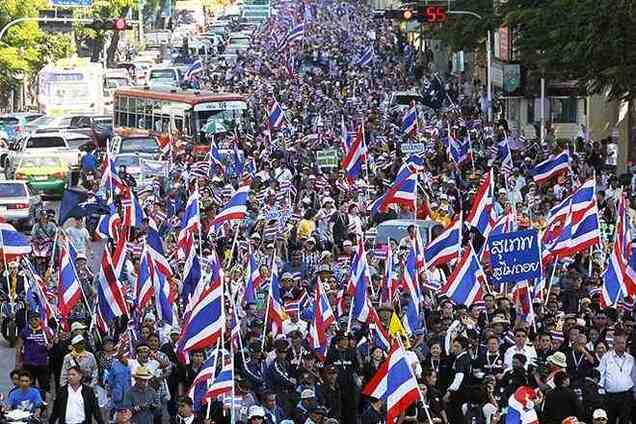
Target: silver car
[(19, 203)]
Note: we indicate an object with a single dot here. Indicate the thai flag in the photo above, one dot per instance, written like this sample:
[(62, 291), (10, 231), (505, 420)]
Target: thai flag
[(359, 281), (199, 386), (144, 290), (215, 157), (133, 213), (155, 248), (110, 296), (464, 286), (522, 299), (206, 320), (254, 279), (551, 167), (481, 211), (216, 277), (222, 382), (366, 57), (191, 271), (410, 282), (277, 313), (108, 224), (504, 154), (458, 149), (164, 300), (446, 246), (296, 33), (276, 115), (617, 282), (191, 220), (111, 183), (391, 281), (47, 311), (193, 70), (69, 289), (290, 65), (395, 384), (12, 242), (409, 121), (355, 154), (378, 334), (521, 407), (402, 192), (322, 320), (236, 208)]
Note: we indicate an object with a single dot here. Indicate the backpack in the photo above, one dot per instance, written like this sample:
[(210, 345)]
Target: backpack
[(474, 414)]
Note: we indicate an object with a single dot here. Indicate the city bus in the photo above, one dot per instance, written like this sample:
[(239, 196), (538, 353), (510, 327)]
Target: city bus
[(182, 112), (71, 86)]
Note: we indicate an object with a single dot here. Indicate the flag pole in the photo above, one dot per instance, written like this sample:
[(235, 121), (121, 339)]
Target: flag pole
[(49, 270), (235, 313), (232, 411), (269, 299), (547, 294)]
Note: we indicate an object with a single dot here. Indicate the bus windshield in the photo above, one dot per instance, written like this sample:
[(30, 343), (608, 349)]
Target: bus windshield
[(227, 113)]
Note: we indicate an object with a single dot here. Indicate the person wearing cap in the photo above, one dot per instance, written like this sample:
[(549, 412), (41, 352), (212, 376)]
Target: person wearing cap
[(142, 399), (305, 405), (32, 353), (329, 393), (316, 415), (599, 416), (76, 402), (255, 415), (521, 346), (343, 357), (80, 357)]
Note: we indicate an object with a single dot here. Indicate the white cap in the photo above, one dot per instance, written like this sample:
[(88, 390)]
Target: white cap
[(77, 339), (599, 413), (307, 394), (256, 411)]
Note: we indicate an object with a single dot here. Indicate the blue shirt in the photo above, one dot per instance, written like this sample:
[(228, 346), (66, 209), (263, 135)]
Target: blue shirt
[(26, 400), (89, 162)]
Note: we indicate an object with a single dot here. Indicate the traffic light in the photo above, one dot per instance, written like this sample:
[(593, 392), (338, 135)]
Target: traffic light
[(115, 24)]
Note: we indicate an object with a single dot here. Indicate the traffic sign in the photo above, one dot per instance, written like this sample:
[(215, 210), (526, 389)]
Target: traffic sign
[(71, 3)]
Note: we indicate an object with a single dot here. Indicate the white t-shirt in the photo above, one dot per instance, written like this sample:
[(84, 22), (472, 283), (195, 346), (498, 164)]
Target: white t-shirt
[(79, 237), (75, 406)]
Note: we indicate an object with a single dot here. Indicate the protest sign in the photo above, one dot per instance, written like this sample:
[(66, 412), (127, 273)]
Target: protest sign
[(514, 256), (410, 148), (327, 158)]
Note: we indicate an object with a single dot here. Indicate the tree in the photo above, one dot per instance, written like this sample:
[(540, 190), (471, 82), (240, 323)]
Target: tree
[(590, 41)]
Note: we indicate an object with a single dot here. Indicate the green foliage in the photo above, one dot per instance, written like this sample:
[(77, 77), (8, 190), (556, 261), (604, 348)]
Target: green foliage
[(591, 41)]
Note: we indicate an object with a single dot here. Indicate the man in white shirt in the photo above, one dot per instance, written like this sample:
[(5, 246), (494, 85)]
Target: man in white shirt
[(75, 403), (616, 368), (520, 346)]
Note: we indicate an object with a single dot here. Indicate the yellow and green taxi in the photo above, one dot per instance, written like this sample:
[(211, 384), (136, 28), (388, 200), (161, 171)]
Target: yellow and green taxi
[(45, 174)]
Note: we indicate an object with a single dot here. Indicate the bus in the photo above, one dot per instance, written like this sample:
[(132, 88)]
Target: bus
[(71, 86), (184, 112)]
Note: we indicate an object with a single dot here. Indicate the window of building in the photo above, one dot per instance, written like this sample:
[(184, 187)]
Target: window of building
[(563, 110)]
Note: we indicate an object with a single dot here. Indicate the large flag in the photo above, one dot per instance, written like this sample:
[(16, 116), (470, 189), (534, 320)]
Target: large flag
[(107, 226), (191, 271), (323, 318), (155, 248), (223, 381), (402, 192), (144, 290), (111, 183), (68, 284), (481, 211), (446, 246), (465, 284), (199, 386), (276, 311), (12, 242), (194, 69), (355, 154), (359, 282), (551, 167), (395, 384), (110, 295), (235, 209), (409, 121)]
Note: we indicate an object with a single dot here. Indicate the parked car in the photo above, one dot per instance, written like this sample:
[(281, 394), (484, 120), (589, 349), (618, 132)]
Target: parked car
[(14, 123), (46, 174), (48, 144), (19, 204)]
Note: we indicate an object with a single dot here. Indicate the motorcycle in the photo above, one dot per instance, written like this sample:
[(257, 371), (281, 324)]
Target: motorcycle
[(18, 416)]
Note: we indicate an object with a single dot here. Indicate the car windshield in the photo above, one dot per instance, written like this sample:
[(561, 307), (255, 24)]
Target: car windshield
[(139, 145), (162, 74), (239, 41), (76, 142), (12, 190), (45, 142), (40, 162), (8, 122), (47, 121), (127, 161)]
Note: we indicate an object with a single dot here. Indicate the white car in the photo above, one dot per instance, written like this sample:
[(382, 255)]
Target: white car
[(18, 203)]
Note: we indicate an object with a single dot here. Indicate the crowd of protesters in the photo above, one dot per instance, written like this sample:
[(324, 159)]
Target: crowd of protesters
[(573, 351)]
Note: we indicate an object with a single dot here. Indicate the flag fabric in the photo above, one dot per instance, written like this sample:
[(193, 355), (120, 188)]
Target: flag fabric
[(481, 211), (191, 271), (199, 386), (402, 192), (391, 281), (134, 215), (322, 320), (521, 407), (458, 149), (355, 154), (191, 220), (223, 381), (366, 57), (296, 33), (164, 300), (144, 290), (433, 93), (111, 183), (395, 384), (110, 295), (522, 299), (446, 246), (359, 282), (410, 282), (78, 203), (409, 121), (155, 249), (465, 284), (194, 69), (235, 209), (107, 224), (12, 242), (68, 284), (276, 115), (551, 167), (378, 334), (206, 320), (276, 311)]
